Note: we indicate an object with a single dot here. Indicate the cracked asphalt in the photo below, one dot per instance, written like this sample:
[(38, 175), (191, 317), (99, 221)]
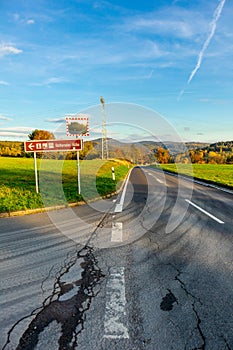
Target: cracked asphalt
[(174, 289)]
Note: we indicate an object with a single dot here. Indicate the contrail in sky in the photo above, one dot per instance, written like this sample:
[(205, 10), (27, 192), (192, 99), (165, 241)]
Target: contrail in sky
[(213, 26)]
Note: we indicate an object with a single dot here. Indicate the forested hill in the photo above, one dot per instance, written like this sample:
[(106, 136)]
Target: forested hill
[(174, 148), (224, 146), (142, 152)]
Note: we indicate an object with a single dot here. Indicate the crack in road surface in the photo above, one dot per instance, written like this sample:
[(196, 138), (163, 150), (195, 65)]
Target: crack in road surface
[(67, 304), (227, 345), (202, 347), (193, 303)]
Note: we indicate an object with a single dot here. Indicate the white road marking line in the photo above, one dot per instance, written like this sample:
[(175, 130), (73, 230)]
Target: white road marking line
[(119, 206), (190, 178), (156, 178), (205, 212), (115, 314), (116, 232)]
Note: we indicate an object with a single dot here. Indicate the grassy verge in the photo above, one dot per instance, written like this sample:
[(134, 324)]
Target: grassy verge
[(57, 182), (221, 174)]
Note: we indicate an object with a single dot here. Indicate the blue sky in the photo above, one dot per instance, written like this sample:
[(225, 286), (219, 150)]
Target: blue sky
[(172, 57)]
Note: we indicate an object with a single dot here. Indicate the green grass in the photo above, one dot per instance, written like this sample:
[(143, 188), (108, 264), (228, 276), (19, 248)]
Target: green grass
[(221, 174), (57, 182)]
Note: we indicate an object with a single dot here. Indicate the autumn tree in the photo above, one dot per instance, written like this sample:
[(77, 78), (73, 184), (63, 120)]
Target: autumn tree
[(163, 156), (87, 149), (11, 149), (197, 156), (41, 135)]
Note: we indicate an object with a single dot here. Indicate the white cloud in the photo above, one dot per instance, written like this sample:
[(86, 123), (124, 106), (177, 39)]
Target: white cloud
[(170, 21), (96, 130), (30, 21), (19, 132), (53, 80), (3, 82), (18, 18), (17, 129), (178, 28), (56, 120), (8, 49), (2, 117)]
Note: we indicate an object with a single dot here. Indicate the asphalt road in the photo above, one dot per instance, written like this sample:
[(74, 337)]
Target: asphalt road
[(150, 269)]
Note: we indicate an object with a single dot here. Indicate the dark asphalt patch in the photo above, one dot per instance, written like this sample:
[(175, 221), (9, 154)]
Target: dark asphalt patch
[(70, 312), (168, 301)]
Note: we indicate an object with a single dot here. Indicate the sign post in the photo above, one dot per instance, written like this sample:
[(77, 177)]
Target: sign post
[(77, 125), (51, 146), (78, 169), (36, 173)]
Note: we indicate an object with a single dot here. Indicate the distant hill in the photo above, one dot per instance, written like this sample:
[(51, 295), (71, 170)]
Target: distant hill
[(174, 147), (196, 145), (141, 152), (223, 146)]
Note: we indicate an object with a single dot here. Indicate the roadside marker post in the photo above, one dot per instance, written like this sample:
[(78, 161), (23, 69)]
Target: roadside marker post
[(113, 174)]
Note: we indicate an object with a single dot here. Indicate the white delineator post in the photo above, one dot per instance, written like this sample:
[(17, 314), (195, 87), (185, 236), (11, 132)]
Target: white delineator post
[(113, 174)]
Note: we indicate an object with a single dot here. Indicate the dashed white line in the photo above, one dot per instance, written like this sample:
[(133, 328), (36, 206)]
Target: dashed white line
[(116, 232), (115, 314), (161, 182), (205, 212)]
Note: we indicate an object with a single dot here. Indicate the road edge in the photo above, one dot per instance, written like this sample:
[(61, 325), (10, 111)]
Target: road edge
[(59, 207)]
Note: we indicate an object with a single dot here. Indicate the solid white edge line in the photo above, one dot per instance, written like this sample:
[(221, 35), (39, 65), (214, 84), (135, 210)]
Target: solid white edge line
[(119, 206), (205, 212)]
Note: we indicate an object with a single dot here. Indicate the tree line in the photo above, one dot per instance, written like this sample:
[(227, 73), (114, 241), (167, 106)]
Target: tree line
[(16, 148), (137, 153), (196, 156)]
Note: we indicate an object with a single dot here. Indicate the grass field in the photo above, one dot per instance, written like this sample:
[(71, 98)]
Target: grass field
[(57, 182), (221, 174)]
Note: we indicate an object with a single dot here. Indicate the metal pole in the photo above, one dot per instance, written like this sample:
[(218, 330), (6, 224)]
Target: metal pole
[(102, 156), (36, 174), (104, 131), (78, 165)]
